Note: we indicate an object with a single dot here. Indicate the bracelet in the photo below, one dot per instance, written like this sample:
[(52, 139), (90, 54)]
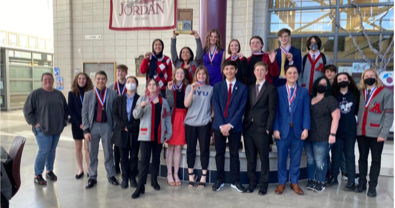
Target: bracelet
[(332, 134)]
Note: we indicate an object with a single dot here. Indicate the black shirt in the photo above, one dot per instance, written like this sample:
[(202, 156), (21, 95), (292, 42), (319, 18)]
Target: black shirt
[(347, 122), (321, 119), (158, 110), (180, 98), (251, 79)]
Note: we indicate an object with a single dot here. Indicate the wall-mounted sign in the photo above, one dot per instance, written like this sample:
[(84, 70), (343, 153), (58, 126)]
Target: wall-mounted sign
[(92, 37)]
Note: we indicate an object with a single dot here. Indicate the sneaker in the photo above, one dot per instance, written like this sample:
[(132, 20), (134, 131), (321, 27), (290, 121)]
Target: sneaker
[(217, 186), (349, 187), (240, 188), (51, 176), (372, 193), (344, 177), (40, 180), (310, 185), (319, 187)]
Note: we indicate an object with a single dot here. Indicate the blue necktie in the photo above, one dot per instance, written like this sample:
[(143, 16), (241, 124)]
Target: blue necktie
[(290, 96)]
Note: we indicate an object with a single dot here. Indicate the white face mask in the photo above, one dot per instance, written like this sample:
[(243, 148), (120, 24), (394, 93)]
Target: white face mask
[(130, 86)]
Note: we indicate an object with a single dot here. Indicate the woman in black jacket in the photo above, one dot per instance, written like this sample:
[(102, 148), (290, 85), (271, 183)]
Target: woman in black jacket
[(126, 132), (81, 84)]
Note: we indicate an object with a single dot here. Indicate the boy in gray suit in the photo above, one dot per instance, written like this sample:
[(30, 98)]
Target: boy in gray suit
[(98, 124)]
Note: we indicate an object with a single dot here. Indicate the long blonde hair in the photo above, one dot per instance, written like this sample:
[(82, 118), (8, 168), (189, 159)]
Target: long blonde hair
[(207, 43), (362, 84)]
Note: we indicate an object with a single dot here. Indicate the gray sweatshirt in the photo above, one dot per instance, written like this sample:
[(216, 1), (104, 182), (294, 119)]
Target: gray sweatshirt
[(49, 109), (199, 112)]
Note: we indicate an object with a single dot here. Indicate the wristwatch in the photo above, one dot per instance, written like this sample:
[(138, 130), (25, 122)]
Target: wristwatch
[(332, 134)]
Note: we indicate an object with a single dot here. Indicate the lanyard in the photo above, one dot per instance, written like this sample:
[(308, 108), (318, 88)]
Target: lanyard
[(257, 53)]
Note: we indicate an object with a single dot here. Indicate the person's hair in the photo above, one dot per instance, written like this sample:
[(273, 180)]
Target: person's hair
[(317, 40), (204, 69), (207, 43), (330, 67), (135, 79), (352, 87), (328, 91), (46, 73), (257, 37), (123, 67), (88, 85), (261, 63), (157, 86), (234, 40), (228, 63), (290, 66), (190, 51), (282, 31), (101, 73), (173, 77), (362, 84)]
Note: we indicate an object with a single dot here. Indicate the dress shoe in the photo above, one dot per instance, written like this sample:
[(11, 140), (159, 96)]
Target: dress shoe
[(78, 176), (280, 189), (262, 190), (124, 184), (239, 187), (372, 193), (332, 181), (133, 182), (218, 185), (349, 187), (155, 184), (251, 188), (113, 180), (139, 190), (91, 183), (296, 188), (360, 188)]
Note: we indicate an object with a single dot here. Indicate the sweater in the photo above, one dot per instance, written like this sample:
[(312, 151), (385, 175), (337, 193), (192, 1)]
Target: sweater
[(194, 64), (311, 71), (164, 71), (274, 71)]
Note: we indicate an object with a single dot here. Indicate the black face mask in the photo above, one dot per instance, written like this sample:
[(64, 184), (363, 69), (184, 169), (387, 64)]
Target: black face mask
[(343, 84), (321, 88), (369, 81)]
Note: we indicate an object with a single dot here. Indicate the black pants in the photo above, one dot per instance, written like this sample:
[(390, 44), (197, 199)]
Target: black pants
[(192, 134), (117, 158), (129, 165), (346, 145), (376, 148), (257, 142), (146, 148), (220, 148)]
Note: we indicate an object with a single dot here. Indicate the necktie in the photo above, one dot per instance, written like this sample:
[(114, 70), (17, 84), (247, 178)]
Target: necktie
[(256, 91), (292, 93), (99, 109), (282, 73), (313, 57), (367, 97), (228, 101)]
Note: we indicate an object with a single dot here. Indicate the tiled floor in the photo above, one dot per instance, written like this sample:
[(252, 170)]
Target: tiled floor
[(69, 192)]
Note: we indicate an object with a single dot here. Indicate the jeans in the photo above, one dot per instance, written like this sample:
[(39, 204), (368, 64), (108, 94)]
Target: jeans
[(344, 146), (46, 151), (317, 153)]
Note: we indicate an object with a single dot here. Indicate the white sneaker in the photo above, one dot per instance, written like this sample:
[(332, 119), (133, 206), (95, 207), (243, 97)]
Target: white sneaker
[(344, 178)]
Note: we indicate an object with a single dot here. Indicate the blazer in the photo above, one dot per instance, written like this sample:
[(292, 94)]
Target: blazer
[(236, 107), (273, 70), (75, 109), (262, 110), (120, 115), (88, 109), (300, 110), (297, 58)]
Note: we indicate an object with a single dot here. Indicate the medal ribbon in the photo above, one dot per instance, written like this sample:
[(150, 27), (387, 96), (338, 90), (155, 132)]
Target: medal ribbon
[(201, 83), (212, 55), (285, 50), (234, 58), (291, 99), (119, 89), (177, 88), (369, 99), (153, 97), (102, 102)]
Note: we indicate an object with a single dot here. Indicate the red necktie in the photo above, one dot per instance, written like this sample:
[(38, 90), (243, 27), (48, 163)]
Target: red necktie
[(228, 101), (99, 108)]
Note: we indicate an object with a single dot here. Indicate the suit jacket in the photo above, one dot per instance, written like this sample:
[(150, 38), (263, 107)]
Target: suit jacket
[(88, 109), (120, 115), (300, 109), (75, 108), (262, 110), (297, 58), (236, 107)]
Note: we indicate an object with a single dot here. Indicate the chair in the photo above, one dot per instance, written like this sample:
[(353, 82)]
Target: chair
[(16, 155)]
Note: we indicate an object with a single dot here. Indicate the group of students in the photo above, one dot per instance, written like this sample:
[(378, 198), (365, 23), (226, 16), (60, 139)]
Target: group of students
[(302, 102)]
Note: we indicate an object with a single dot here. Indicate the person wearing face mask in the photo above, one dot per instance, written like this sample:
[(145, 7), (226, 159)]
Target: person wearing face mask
[(81, 84), (241, 61), (186, 59), (157, 66), (324, 116), (346, 92), (175, 94), (313, 63), (375, 118), (213, 56), (126, 132)]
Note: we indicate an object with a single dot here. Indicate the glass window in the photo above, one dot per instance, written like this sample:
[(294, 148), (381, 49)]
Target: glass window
[(350, 20), (2, 57), (41, 59), (39, 71), (344, 2), (298, 3), (36, 84), (20, 57), (350, 51), (20, 72), (20, 86), (302, 21)]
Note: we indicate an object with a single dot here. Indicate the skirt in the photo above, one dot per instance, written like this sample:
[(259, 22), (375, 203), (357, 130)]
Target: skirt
[(178, 136), (77, 132)]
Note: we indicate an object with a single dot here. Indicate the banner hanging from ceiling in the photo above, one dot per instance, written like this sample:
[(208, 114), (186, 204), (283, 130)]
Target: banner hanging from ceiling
[(142, 14)]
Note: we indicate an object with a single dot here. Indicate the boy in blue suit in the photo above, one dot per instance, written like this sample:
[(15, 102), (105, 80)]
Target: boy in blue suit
[(291, 128), (229, 102), (286, 55)]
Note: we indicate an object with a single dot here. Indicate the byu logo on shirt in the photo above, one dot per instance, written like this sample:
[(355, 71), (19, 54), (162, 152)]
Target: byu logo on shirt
[(200, 92)]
